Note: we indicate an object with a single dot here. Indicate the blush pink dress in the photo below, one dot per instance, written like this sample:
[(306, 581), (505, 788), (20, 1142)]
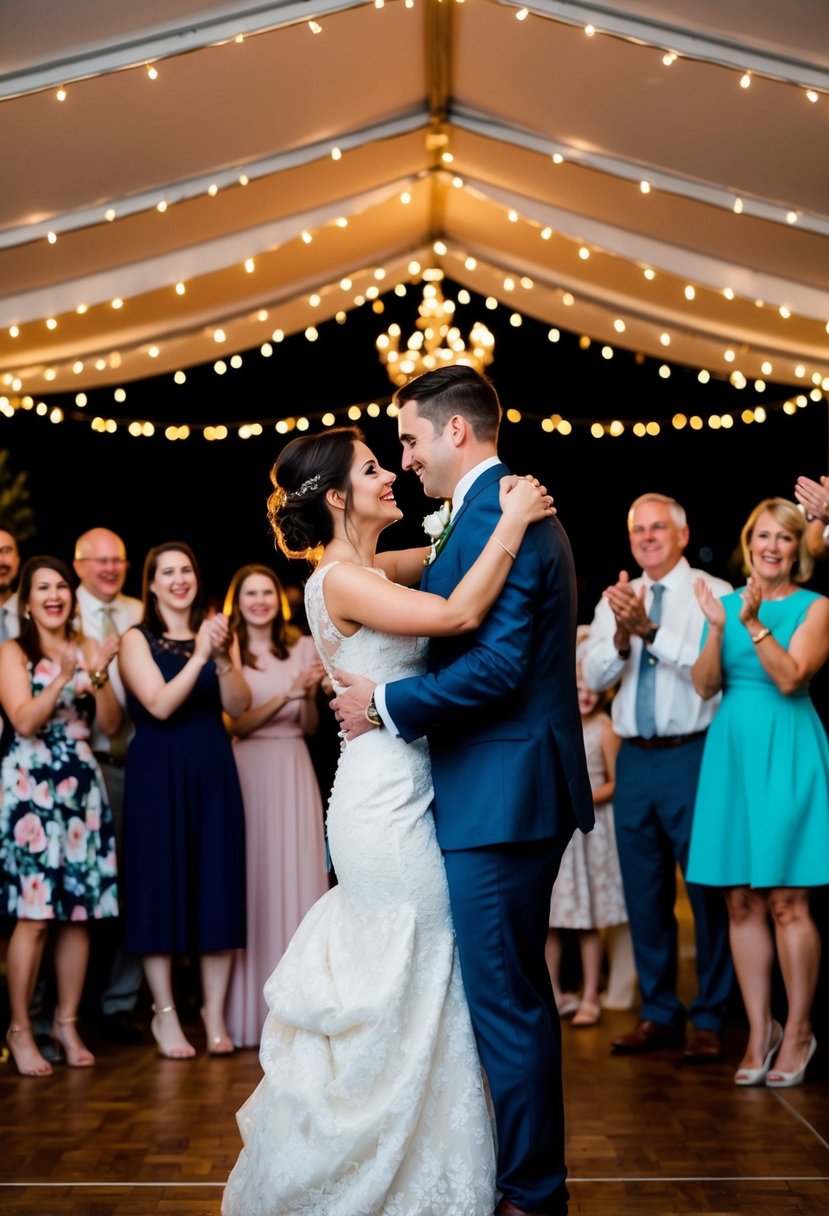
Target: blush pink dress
[(284, 833)]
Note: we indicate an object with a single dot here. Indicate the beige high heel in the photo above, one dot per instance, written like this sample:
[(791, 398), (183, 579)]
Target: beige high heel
[(42, 1069), (76, 1057), (186, 1052), (219, 1044)]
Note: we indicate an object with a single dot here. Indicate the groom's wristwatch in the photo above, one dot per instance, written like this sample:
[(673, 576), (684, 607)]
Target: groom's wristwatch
[(372, 715)]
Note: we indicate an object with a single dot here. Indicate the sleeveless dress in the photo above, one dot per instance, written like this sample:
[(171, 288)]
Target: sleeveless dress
[(184, 827), (372, 1101), (284, 838), (56, 832), (588, 892), (761, 816)]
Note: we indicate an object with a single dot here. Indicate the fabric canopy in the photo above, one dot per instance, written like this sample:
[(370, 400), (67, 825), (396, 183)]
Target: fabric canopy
[(654, 176)]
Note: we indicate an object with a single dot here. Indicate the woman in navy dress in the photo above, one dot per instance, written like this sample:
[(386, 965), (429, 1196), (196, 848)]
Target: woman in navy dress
[(184, 831)]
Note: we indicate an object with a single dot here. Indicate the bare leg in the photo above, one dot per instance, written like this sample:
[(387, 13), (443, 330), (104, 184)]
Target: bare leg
[(23, 955), (567, 1001), (165, 1025), (621, 981), (798, 949), (752, 950), (215, 977), (71, 960), (590, 945)]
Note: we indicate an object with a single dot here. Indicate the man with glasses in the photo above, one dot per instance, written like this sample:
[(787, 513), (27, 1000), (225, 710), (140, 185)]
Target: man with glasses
[(101, 565)]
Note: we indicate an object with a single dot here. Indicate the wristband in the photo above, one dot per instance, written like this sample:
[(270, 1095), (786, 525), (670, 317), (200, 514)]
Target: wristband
[(764, 633)]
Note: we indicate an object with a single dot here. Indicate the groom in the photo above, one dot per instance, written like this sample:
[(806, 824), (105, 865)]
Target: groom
[(500, 711)]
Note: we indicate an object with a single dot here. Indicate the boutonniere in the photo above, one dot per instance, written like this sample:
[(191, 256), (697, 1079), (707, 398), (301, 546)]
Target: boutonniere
[(437, 527)]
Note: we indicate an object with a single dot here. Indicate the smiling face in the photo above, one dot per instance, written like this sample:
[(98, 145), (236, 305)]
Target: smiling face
[(657, 542), (101, 563), (174, 584), (588, 699), (372, 496), (432, 457), (259, 602), (50, 599), (773, 549)]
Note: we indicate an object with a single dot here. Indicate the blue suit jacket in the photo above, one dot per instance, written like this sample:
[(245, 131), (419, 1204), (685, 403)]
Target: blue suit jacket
[(499, 705)]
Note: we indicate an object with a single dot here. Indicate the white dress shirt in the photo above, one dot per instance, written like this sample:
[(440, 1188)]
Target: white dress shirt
[(126, 611), (12, 609), (679, 709)]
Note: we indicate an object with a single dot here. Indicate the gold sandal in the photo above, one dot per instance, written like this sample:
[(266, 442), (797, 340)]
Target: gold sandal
[(187, 1052), (76, 1057), (44, 1069)]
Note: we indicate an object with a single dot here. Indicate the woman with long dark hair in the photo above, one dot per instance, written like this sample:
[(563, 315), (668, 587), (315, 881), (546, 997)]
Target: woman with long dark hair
[(184, 831), (56, 831)]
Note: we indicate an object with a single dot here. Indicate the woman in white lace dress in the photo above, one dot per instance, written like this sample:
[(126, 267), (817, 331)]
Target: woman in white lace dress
[(372, 1102)]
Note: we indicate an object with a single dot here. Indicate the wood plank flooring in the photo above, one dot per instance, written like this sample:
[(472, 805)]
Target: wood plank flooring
[(139, 1136)]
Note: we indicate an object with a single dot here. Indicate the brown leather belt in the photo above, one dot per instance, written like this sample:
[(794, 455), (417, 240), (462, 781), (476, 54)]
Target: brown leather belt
[(660, 742)]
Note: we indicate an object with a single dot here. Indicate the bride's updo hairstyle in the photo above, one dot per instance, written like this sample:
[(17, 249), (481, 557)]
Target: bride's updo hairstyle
[(305, 470)]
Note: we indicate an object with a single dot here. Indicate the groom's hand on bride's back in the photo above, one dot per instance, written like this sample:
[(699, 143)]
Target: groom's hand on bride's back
[(350, 705)]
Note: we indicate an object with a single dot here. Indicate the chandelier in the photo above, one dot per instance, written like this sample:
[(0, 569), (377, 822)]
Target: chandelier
[(437, 341)]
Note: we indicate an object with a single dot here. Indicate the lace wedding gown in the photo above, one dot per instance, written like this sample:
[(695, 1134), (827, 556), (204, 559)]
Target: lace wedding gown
[(372, 1101)]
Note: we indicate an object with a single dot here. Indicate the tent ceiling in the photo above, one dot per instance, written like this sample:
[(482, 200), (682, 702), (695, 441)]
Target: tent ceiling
[(131, 186)]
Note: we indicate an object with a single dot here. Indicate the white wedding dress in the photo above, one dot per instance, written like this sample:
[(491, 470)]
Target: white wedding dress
[(372, 1101)]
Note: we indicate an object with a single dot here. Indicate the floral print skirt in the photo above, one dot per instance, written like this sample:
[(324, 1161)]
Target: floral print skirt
[(57, 841)]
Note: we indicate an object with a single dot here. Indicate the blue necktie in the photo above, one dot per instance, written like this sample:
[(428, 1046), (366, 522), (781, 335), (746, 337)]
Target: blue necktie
[(646, 687)]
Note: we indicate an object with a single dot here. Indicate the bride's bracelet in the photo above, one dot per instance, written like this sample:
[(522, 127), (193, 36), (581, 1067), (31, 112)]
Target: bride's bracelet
[(503, 546)]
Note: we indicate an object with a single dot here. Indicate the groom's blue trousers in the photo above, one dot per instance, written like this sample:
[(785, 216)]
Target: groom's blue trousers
[(500, 898)]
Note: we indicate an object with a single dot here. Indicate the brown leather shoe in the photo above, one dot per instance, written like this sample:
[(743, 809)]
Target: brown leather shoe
[(647, 1036), (704, 1048)]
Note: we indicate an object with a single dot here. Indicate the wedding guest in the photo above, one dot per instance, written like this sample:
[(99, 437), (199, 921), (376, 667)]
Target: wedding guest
[(761, 821), (56, 830), (184, 830), (9, 567), (104, 611), (285, 870), (588, 895), (645, 635)]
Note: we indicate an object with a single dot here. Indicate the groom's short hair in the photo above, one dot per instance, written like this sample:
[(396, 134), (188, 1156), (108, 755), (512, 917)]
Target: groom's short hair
[(458, 389)]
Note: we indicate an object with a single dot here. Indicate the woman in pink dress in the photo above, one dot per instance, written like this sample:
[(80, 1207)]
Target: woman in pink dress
[(285, 843)]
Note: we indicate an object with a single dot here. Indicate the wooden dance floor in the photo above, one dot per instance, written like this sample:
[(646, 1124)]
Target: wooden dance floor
[(140, 1136)]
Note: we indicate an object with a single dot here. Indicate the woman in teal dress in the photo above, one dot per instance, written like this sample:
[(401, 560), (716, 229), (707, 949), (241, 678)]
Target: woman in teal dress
[(761, 817)]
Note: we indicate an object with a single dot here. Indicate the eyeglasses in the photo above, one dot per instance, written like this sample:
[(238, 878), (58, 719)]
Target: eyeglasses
[(104, 561)]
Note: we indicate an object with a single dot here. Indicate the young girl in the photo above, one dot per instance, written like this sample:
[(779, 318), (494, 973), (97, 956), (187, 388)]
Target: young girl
[(588, 894)]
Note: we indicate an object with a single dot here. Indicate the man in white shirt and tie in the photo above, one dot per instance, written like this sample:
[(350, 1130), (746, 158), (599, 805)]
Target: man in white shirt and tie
[(101, 566), (645, 636)]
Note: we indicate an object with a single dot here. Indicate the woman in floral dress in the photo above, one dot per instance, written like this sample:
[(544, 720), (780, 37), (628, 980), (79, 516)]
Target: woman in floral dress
[(56, 831)]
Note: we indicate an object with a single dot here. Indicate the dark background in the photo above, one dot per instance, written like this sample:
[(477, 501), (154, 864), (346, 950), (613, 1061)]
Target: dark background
[(213, 494)]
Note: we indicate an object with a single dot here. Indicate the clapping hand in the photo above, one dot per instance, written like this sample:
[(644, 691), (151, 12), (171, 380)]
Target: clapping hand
[(711, 606), (813, 496), (751, 601)]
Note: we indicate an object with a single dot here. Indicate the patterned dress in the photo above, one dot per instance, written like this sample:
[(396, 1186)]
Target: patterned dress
[(588, 892), (56, 831)]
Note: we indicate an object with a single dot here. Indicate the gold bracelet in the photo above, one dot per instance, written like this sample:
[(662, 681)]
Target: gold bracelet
[(504, 547), (222, 671), (98, 679), (764, 633)]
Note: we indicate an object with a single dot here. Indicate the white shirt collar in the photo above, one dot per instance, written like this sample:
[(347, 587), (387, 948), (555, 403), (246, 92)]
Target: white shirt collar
[(469, 478), (676, 575)]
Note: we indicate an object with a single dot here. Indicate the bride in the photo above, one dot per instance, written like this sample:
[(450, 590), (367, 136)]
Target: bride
[(373, 1100)]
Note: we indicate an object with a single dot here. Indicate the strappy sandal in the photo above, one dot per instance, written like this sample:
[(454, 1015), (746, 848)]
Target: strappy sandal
[(186, 1052), (77, 1055), (35, 1069)]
